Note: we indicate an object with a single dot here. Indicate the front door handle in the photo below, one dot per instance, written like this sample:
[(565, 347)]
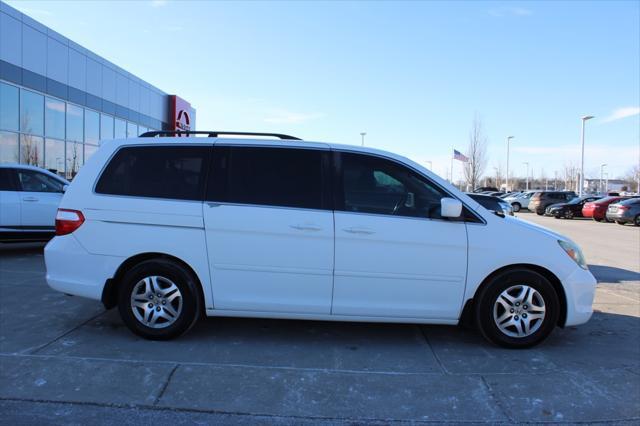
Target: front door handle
[(29, 199), (306, 227), (359, 230)]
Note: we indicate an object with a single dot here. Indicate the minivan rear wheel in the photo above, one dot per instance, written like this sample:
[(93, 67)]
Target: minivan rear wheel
[(158, 299), (518, 308)]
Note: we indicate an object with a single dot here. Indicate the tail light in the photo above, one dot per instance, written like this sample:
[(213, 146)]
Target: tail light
[(623, 208), (68, 221)]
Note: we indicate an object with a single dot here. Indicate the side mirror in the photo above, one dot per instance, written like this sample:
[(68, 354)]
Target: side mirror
[(64, 188), (450, 207)]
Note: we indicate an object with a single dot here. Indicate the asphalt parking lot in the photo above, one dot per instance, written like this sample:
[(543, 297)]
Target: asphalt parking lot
[(66, 360)]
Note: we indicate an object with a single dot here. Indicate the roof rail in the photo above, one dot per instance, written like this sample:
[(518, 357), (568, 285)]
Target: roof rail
[(213, 134)]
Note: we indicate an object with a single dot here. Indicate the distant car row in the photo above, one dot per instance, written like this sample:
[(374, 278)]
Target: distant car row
[(567, 205)]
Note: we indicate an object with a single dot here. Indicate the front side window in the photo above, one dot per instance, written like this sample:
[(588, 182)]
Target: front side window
[(172, 172), (269, 176), (375, 185), (32, 181)]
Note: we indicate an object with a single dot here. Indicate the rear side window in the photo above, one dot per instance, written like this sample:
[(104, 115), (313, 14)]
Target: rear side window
[(7, 180), (269, 176), (173, 172)]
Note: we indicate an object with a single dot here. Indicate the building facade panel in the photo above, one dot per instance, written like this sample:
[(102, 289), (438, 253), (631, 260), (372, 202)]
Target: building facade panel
[(10, 39), (57, 61), (58, 100), (34, 50)]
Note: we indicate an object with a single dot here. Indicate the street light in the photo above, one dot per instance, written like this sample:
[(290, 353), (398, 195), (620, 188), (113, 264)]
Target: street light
[(527, 164), (508, 140), (363, 134), (497, 181), (581, 180), (602, 166)]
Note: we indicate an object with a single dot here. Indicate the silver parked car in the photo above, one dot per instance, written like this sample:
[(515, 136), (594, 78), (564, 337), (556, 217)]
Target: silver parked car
[(627, 211)]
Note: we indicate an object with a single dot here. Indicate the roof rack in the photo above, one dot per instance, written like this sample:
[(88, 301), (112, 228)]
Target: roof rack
[(213, 134)]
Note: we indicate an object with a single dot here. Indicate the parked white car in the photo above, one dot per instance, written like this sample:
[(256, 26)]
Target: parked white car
[(170, 228), (29, 199), (520, 201)]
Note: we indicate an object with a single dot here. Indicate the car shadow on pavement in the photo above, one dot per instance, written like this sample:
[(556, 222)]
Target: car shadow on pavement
[(611, 274)]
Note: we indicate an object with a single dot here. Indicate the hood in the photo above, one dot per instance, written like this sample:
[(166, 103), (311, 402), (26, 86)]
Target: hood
[(535, 227)]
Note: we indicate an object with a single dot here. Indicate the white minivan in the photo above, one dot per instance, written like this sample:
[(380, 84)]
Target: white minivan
[(169, 228)]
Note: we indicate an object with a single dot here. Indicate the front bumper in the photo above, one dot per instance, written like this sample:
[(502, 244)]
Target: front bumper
[(73, 270), (580, 290)]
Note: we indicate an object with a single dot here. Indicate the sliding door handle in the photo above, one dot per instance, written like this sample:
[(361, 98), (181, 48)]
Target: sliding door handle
[(306, 227), (359, 230)]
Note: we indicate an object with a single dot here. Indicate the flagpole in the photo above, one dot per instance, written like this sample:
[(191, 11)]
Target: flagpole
[(451, 165)]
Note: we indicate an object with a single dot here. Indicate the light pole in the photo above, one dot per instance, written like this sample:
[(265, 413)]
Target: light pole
[(497, 180), (606, 182), (508, 140), (527, 164), (602, 166), (363, 135), (581, 180), (555, 180)]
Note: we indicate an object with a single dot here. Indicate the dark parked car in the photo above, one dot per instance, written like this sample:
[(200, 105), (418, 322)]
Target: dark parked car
[(485, 188), (568, 210), (627, 211), (543, 199), (494, 204)]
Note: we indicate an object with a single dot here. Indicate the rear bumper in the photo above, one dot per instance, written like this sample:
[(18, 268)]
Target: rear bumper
[(620, 217), (72, 270), (580, 289)]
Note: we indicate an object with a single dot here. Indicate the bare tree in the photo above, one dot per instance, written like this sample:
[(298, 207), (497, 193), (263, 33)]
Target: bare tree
[(476, 154)]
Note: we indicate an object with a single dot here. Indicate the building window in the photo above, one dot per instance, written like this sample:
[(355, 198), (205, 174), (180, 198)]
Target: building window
[(106, 127), (89, 150), (75, 123), (32, 150), (9, 107), (31, 112), (120, 129), (54, 118), (142, 130), (91, 127), (132, 130), (74, 156), (9, 147), (54, 156)]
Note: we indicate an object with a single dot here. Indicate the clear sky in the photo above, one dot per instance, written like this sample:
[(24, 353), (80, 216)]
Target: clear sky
[(412, 75)]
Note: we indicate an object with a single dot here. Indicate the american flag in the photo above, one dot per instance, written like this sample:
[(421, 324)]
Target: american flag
[(457, 155)]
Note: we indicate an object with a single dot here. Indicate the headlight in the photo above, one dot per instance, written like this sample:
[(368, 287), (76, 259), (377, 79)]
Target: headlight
[(574, 252)]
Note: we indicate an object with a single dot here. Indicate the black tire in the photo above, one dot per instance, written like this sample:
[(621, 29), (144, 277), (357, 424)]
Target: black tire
[(516, 207), (183, 280), (636, 220), (619, 223), (597, 220), (568, 215), (539, 212), (488, 295)]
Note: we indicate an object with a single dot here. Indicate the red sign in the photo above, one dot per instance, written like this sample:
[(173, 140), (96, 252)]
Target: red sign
[(181, 114)]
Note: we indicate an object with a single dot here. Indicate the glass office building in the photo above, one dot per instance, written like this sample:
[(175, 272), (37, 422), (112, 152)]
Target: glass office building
[(58, 100)]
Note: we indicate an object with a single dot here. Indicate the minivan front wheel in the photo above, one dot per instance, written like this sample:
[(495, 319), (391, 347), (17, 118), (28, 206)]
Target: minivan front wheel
[(158, 300), (517, 309)]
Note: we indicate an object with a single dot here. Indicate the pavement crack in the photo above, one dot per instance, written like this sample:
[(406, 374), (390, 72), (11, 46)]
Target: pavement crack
[(435, 355), (32, 351), (496, 400), (165, 385)]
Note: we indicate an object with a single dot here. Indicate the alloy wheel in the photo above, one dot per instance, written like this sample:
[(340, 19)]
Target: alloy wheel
[(519, 311), (156, 302)]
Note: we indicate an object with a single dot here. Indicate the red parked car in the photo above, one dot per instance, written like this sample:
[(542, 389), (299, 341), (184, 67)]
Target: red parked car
[(598, 209)]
